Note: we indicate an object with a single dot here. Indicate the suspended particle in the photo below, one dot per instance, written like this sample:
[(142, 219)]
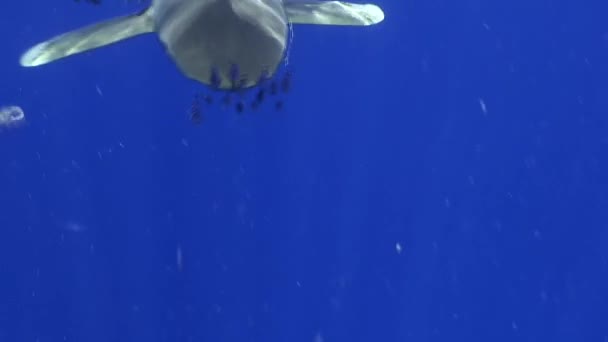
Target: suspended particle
[(483, 107), (180, 258), (398, 248)]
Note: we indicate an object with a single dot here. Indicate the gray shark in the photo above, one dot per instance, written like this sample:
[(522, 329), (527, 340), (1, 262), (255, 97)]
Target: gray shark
[(212, 41)]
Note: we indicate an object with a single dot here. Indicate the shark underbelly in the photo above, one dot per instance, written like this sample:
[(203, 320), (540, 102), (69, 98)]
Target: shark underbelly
[(223, 42)]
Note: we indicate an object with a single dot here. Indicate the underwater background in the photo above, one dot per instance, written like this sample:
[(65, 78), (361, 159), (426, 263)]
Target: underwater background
[(440, 176)]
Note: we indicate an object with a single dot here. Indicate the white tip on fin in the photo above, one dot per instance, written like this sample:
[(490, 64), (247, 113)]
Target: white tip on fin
[(87, 38), (333, 13), (34, 56)]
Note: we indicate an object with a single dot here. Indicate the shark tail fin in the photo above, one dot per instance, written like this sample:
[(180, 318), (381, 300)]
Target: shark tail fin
[(88, 38)]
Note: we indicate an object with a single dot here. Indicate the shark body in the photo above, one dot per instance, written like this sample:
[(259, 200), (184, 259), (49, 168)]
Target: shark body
[(216, 42)]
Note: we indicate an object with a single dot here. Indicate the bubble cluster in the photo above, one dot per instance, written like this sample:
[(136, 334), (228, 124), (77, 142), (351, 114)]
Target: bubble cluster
[(11, 116)]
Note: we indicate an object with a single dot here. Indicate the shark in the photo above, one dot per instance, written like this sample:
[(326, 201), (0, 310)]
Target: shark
[(215, 42)]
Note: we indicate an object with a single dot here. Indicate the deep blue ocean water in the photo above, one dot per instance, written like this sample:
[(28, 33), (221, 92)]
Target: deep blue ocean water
[(441, 176)]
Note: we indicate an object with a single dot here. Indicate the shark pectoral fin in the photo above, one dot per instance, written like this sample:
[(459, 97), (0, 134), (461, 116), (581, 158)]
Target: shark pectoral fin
[(87, 38), (332, 13)]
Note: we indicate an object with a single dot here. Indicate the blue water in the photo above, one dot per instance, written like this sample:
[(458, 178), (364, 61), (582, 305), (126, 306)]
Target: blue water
[(441, 176)]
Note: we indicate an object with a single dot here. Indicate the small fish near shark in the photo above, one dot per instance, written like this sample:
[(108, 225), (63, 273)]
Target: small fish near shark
[(225, 44)]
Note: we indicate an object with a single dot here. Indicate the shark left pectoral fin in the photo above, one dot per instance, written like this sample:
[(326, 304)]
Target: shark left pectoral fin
[(333, 13), (87, 38)]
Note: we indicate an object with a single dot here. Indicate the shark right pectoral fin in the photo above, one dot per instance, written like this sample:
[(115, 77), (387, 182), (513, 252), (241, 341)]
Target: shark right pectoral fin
[(332, 13), (87, 38)]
